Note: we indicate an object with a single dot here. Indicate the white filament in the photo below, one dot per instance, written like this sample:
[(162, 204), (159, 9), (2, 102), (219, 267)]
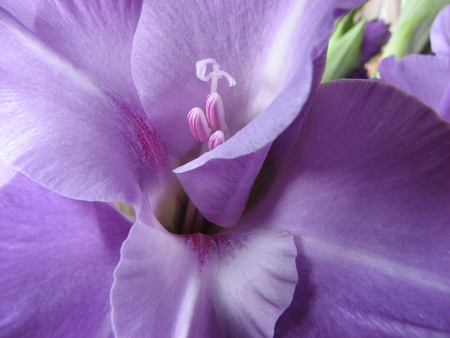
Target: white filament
[(214, 76)]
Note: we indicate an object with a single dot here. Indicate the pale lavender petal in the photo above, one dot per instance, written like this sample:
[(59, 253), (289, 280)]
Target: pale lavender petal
[(376, 34), (440, 33), (365, 192), (424, 76), (57, 261), (64, 131), (267, 46), (95, 36), (6, 173), (228, 285), (230, 192)]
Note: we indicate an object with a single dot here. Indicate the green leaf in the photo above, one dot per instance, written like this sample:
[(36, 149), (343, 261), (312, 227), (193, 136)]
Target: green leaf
[(413, 27), (344, 52)]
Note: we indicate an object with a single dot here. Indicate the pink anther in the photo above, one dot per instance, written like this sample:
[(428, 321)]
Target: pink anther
[(198, 125), (216, 139), (215, 113)]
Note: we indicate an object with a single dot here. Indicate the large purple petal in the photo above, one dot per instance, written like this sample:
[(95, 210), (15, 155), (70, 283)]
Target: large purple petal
[(267, 46), (95, 36), (440, 33), (57, 262), (65, 131), (366, 194), (220, 188), (228, 285), (424, 76), (271, 58)]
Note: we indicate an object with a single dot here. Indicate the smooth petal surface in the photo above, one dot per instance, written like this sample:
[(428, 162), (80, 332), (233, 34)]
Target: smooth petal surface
[(440, 33), (424, 76), (57, 262), (365, 192), (220, 188), (67, 132), (228, 285), (267, 46), (6, 173), (271, 58), (283, 144), (95, 36), (444, 109)]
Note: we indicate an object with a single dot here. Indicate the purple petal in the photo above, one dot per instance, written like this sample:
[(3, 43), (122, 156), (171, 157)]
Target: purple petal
[(376, 34), (58, 257), (424, 76), (6, 173), (220, 187), (440, 33), (365, 192), (68, 27), (268, 47), (282, 146), (228, 285), (444, 109), (64, 131), (228, 179)]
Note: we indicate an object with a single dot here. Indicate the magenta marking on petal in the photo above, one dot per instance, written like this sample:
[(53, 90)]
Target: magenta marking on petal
[(206, 246), (216, 139), (198, 125), (215, 113), (153, 151)]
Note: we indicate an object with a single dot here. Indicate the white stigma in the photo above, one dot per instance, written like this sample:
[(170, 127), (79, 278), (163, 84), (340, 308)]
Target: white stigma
[(215, 75)]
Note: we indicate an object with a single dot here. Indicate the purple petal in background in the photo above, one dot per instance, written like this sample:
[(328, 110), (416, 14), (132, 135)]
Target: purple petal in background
[(376, 34), (57, 262), (366, 194), (424, 76), (440, 34), (444, 108), (66, 131), (228, 285)]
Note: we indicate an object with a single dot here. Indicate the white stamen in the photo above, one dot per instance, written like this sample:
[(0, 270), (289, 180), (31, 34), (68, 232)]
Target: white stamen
[(214, 76)]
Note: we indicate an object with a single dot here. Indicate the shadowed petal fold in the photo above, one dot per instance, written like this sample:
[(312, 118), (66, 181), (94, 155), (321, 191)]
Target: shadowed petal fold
[(68, 132), (57, 262), (365, 192), (228, 285)]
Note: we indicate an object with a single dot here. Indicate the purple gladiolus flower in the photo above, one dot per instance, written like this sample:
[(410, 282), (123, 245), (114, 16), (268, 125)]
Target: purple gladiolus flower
[(346, 235), (425, 76)]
